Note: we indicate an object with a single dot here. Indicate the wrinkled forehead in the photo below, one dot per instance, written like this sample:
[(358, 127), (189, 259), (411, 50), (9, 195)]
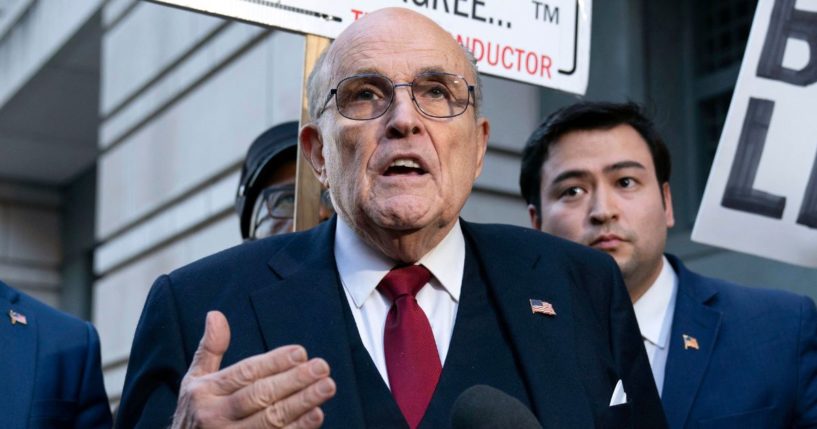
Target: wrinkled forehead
[(399, 50)]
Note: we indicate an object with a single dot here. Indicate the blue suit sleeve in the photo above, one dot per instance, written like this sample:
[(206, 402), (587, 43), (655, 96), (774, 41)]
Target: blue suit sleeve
[(807, 376), (94, 411), (157, 363)]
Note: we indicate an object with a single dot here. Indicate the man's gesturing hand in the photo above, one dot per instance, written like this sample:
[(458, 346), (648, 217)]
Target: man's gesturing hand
[(276, 389)]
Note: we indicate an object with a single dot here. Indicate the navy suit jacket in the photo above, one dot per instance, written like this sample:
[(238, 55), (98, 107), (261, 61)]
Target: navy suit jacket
[(756, 361), (49, 367), (286, 290)]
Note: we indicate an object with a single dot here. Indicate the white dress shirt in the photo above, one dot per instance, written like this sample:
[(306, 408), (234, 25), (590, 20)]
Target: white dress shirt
[(361, 268), (654, 311)]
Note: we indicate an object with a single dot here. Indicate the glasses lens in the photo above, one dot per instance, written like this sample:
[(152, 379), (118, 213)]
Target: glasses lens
[(273, 211), (441, 95), (364, 96), (280, 204)]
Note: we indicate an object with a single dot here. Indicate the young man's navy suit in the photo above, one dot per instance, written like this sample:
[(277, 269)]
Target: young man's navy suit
[(755, 364)]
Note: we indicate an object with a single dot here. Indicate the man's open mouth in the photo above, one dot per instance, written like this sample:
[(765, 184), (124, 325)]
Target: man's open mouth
[(404, 166)]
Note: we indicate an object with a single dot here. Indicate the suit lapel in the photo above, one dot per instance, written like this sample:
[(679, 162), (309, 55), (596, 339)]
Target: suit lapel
[(18, 360), (544, 345), (303, 306), (686, 367)]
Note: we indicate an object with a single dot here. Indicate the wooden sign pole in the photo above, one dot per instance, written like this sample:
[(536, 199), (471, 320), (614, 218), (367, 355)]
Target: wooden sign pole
[(307, 186)]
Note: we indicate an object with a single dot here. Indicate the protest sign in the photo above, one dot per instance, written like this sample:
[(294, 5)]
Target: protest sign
[(761, 196)]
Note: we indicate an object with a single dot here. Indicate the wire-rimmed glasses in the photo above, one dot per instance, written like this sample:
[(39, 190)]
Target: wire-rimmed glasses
[(368, 96)]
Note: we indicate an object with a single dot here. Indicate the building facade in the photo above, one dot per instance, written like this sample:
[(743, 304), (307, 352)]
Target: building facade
[(123, 125)]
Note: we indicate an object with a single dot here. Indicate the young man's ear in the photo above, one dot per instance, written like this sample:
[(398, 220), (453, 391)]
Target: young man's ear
[(535, 222), (312, 148), (666, 195)]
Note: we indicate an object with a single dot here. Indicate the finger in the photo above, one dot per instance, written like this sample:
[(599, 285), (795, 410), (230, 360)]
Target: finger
[(310, 420), (272, 389), (212, 346), (251, 369), (291, 409)]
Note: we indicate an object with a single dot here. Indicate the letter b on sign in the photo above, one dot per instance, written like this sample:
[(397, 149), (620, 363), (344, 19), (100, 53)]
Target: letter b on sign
[(789, 23)]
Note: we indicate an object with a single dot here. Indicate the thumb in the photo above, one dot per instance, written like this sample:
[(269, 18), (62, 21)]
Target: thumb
[(212, 346)]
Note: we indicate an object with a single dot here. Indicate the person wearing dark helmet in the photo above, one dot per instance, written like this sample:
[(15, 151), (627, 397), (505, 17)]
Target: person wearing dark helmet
[(265, 201)]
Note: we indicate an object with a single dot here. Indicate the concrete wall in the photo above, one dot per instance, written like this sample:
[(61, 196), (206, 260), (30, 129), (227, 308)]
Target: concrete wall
[(30, 240), (44, 147), (40, 32)]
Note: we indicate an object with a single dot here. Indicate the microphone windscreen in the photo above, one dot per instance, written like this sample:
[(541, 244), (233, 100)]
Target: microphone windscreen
[(484, 407)]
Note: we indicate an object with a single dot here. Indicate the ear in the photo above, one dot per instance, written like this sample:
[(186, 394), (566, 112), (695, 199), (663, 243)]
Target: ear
[(483, 132), (666, 194), (535, 222), (312, 148)]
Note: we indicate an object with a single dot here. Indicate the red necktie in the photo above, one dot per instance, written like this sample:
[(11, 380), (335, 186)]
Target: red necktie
[(411, 353)]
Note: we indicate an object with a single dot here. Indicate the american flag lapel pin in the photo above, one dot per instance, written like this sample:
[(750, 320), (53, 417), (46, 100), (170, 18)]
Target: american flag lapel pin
[(690, 342), (542, 307), (16, 318)]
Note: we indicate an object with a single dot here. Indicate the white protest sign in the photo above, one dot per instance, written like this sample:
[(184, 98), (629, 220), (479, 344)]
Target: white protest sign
[(542, 42), (761, 197)]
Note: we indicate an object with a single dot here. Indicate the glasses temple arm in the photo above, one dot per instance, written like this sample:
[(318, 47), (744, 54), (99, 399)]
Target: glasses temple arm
[(332, 92)]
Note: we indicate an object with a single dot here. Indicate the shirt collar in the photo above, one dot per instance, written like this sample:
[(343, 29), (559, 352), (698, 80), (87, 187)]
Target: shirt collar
[(361, 267), (652, 309)]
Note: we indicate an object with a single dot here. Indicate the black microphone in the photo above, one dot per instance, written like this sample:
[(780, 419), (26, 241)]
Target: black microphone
[(484, 407)]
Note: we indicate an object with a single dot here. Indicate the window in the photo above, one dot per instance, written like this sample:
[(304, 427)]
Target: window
[(721, 29)]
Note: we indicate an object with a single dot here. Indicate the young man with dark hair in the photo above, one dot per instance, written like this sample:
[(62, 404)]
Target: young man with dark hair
[(723, 355)]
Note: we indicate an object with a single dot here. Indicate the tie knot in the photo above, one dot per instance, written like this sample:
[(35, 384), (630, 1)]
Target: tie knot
[(403, 281)]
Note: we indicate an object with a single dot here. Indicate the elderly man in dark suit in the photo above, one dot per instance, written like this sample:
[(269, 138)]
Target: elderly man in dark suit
[(49, 367), (406, 303), (723, 355)]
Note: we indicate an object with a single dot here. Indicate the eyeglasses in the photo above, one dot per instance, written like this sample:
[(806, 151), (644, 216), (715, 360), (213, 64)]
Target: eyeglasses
[(275, 207), (369, 96)]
